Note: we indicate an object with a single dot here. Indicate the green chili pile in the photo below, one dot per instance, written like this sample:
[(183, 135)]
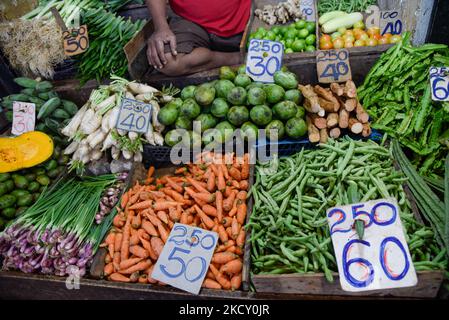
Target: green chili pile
[(289, 228)]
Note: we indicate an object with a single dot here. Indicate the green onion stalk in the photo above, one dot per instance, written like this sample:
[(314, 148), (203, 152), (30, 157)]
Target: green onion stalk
[(58, 232)]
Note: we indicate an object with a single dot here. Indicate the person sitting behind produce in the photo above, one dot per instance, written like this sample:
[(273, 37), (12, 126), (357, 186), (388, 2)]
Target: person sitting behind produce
[(203, 34)]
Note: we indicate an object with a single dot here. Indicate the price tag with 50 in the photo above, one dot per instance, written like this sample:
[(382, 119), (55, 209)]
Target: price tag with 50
[(185, 258), (264, 58), (381, 259), (308, 9), (134, 116), (333, 66), (439, 83), (23, 117), (76, 41)]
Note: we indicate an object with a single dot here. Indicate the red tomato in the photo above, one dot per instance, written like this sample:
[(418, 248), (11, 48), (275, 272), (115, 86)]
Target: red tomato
[(338, 43), (383, 40), (326, 45), (372, 31), (377, 37), (325, 38)]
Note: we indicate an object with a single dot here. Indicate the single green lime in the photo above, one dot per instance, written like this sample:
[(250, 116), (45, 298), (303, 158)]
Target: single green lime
[(310, 48), (300, 24), (299, 45), (311, 39), (311, 26), (303, 33)]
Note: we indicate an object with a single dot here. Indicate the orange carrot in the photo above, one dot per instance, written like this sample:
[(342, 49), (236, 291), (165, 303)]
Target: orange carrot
[(138, 251), (221, 184), (229, 230), (124, 200), (236, 281), (157, 245), (107, 258), (125, 264), (219, 205), (147, 245), (190, 219), (233, 267), (175, 195), (235, 228), (118, 241), (141, 233), (238, 251), (149, 228), (223, 281), (241, 212), (214, 169), (184, 217), (108, 269), (134, 239), (152, 217), (210, 210), (149, 271), (150, 172), (222, 234), (211, 181), (118, 221), (241, 195), (225, 171), (240, 241), (143, 278), (136, 222), (229, 201), (228, 191), (235, 184), (197, 185), (206, 220), (174, 214), (206, 197), (124, 250), (223, 257), (141, 205), (180, 170), (162, 215), (164, 205), (163, 232), (227, 222), (234, 208), (244, 185), (137, 267), (116, 261), (119, 277), (235, 173), (174, 185), (211, 284)]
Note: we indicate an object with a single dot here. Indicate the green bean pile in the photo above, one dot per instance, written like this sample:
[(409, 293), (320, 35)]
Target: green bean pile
[(344, 5), (289, 229), (108, 34)]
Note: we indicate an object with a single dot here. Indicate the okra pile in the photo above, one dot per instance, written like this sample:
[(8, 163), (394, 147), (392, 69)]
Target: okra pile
[(289, 228), (397, 95)]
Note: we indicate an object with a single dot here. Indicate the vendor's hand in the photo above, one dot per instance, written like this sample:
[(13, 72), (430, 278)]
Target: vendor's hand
[(155, 51)]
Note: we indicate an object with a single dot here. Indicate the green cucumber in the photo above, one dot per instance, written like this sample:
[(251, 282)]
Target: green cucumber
[(52, 94), (48, 107), (43, 86), (40, 127), (21, 182), (28, 91), (43, 180), (19, 97), (30, 177), (36, 100), (50, 165), (52, 124), (26, 82), (9, 115), (70, 107), (61, 114), (44, 95)]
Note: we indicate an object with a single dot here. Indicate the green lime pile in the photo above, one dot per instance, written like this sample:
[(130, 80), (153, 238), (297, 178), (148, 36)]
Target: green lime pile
[(20, 189), (235, 101), (296, 37)]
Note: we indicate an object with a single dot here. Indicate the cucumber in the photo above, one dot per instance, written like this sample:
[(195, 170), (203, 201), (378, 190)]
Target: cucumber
[(43, 86), (9, 213), (52, 124), (36, 100), (9, 115), (70, 107), (40, 127), (28, 91), (54, 173), (328, 16), (19, 97), (26, 82), (44, 95), (39, 171), (7, 104), (344, 21), (61, 114), (7, 201), (52, 94), (4, 177), (49, 107)]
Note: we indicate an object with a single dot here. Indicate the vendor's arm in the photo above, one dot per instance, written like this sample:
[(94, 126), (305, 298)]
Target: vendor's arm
[(162, 34)]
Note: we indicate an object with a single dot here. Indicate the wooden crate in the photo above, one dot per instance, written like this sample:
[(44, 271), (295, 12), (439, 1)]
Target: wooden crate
[(96, 269)]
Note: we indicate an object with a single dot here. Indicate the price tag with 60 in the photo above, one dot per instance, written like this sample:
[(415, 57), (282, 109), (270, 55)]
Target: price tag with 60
[(134, 116), (333, 66), (185, 258), (439, 83), (381, 258), (264, 58)]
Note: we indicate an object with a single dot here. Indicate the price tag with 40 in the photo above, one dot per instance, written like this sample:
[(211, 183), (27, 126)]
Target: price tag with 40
[(333, 66), (134, 116)]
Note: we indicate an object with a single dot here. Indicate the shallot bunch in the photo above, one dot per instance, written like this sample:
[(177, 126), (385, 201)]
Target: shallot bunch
[(110, 198)]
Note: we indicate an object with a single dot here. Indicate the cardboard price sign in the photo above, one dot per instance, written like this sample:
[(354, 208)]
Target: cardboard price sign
[(75, 40), (333, 66), (390, 22), (24, 117), (134, 116), (264, 58), (308, 9), (439, 83), (186, 256), (381, 258)]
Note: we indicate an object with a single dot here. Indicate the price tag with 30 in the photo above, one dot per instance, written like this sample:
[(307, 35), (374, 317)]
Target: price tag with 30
[(134, 116), (23, 117), (308, 10), (264, 58), (380, 259), (439, 83), (333, 66), (185, 258)]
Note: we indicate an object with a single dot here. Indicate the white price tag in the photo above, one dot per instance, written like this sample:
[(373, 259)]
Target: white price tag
[(308, 10), (134, 116), (333, 66), (373, 16), (23, 117), (390, 22), (439, 83), (381, 259), (186, 256), (264, 58)]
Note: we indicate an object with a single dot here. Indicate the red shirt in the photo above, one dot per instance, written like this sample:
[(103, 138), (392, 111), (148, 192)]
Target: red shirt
[(224, 18)]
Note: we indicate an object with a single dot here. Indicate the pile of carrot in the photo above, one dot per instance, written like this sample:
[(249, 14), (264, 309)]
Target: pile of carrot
[(210, 194)]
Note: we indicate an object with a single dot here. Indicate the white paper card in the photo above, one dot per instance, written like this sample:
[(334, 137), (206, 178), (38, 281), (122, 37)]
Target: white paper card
[(264, 58), (186, 256), (23, 117), (134, 116), (381, 259), (439, 83)]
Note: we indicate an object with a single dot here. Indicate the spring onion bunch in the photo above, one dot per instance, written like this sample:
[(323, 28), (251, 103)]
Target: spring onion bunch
[(58, 231)]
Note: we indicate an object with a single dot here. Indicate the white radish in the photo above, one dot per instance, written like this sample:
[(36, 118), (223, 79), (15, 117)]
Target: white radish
[(113, 117), (138, 156), (158, 139), (83, 150), (71, 148), (132, 135), (70, 129), (108, 142), (97, 139), (105, 103), (91, 122), (121, 132), (96, 154), (140, 88), (129, 95), (105, 122), (144, 97), (115, 153), (149, 135), (156, 124), (127, 154), (85, 159)]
